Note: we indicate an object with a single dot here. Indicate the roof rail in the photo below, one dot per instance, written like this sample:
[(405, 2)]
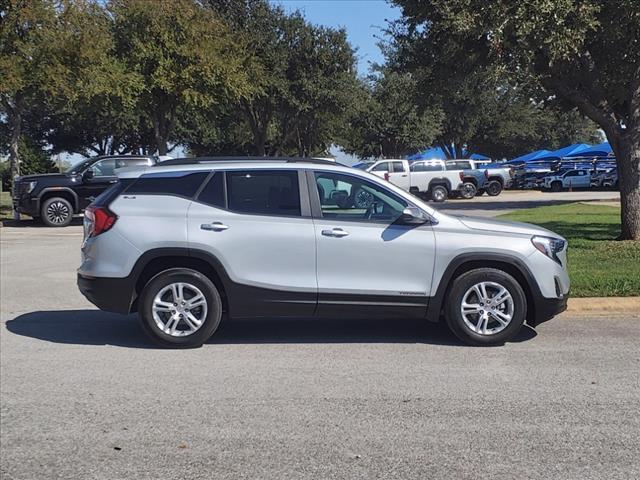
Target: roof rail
[(200, 160)]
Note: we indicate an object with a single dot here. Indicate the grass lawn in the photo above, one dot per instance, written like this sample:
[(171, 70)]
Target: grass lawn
[(599, 266), (5, 206)]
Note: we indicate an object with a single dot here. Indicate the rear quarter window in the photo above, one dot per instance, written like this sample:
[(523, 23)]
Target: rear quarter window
[(180, 184)]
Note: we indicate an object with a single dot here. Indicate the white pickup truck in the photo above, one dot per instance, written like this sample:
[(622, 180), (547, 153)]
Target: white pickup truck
[(498, 178), (426, 178)]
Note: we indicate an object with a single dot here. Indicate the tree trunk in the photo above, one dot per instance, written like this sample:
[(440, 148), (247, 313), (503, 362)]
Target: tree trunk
[(627, 150), (15, 120)]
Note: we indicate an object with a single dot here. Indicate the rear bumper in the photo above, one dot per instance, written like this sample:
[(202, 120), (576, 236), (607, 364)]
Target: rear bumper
[(110, 294), (547, 308)]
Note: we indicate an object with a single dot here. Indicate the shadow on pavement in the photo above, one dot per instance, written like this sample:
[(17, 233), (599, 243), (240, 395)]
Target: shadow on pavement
[(94, 327), (31, 223)]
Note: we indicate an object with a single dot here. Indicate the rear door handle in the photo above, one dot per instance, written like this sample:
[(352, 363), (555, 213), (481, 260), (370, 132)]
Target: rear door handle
[(335, 232), (214, 226)]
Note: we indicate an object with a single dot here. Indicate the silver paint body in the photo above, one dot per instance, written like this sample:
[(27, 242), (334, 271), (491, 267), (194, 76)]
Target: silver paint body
[(291, 254)]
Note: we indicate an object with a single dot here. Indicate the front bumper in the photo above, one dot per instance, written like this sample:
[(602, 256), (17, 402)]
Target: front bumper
[(547, 308), (110, 294), (26, 205)]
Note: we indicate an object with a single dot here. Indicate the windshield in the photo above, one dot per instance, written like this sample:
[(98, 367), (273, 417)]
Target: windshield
[(76, 167), (362, 165)]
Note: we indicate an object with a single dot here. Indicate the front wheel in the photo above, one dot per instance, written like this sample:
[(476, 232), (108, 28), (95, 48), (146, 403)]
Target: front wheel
[(556, 186), (486, 306), (180, 308), (494, 188), (56, 212)]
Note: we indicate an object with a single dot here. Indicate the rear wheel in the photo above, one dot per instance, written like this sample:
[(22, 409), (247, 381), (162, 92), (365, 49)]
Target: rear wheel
[(180, 308), (439, 193), (486, 307), (494, 188), (556, 186), (56, 212), (468, 190)]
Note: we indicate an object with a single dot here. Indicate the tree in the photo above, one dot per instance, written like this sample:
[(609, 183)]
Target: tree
[(586, 54), (27, 31), (387, 122), (184, 59)]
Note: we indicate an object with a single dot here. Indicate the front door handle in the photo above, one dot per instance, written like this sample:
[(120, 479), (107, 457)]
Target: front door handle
[(214, 226), (335, 232)]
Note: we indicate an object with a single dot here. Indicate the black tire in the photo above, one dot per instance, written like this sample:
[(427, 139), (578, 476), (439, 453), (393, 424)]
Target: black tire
[(494, 188), (468, 190), (456, 295), (210, 322), (56, 212), (439, 193), (556, 186)]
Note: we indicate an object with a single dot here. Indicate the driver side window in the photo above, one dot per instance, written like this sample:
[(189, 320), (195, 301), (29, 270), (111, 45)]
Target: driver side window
[(104, 168), (344, 197)]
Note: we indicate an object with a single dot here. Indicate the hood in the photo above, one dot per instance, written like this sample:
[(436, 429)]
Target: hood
[(40, 176), (493, 225)]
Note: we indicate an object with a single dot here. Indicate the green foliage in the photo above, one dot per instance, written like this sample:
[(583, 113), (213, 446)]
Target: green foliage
[(599, 266), (586, 54), (386, 122), (183, 58)]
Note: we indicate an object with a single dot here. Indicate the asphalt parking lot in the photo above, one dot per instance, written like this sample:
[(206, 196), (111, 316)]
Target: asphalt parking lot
[(84, 395)]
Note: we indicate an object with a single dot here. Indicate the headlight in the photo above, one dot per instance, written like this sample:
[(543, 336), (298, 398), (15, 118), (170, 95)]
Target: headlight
[(31, 186), (549, 246)]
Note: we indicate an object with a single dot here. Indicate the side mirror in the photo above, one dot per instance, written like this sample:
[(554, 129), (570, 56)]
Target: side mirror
[(87, 175), (414, 216)]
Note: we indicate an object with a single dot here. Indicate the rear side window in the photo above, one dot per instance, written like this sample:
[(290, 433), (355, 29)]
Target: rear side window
[(110, 194), (213, 192), (398, 167), (181, 184), (264, 192)]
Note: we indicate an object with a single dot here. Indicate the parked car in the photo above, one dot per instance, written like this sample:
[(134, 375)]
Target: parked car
[(567, 179), (604, 179), (300, 238), (425, 178), (498, 177), (55, 197), (473, 181)]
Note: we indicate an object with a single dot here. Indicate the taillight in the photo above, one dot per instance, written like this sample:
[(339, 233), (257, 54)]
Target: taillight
[(98, 220), (486, 174), (461, 176), (386, 176)]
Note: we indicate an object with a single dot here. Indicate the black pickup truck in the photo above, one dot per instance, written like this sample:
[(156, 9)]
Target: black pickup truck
[(55, 197)]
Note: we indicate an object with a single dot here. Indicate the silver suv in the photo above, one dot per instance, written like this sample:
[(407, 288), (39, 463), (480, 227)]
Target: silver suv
[(187, 242)]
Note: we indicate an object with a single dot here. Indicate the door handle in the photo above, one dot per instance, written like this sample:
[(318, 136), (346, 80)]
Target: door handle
[(214, 226), (335, 232)]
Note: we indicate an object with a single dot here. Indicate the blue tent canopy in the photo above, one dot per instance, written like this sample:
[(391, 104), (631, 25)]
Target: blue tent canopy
[(600, 150), (566, 151), (530, 156), (432, 153), (437, 153)]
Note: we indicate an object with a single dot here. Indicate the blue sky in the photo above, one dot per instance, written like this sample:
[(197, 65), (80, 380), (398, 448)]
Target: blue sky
[(364, 20)]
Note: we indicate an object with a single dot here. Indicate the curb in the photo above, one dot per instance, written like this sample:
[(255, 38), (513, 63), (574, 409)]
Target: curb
[(605, 305)]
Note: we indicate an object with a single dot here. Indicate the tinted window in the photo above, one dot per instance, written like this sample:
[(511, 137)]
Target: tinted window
[(381, 167), (459, 166), (104, 168), (213, 192), (397, 166), (352, 198), (181, 184), (264, 192), (131, 162), (425, 167)]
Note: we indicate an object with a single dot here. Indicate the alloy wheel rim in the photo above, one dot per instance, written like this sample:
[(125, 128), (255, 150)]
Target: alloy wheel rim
[(179, 309), (487, 308), (57, 212), (438, 194), (469, 190)]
